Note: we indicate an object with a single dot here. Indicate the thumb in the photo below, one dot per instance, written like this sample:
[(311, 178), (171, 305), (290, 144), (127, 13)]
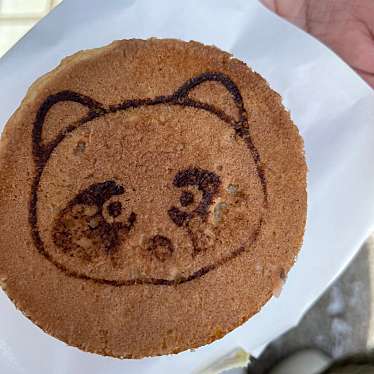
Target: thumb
[(292, 10)]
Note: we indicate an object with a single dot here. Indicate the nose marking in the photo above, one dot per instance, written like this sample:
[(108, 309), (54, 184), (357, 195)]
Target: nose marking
[(161, 247)]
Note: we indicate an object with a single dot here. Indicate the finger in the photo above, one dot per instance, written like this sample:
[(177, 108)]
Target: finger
[(292, 10), (365, 12), (355, 46), (270, 4), (368, 77)]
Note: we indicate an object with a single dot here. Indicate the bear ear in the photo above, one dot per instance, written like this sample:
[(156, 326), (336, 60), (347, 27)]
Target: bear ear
[(214, 91), (58, 115)]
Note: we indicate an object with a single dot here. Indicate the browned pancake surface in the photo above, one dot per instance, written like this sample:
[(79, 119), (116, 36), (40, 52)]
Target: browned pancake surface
[(153, 198)]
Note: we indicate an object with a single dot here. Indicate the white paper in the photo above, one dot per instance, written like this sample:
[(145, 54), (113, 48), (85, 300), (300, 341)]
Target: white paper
[(332, 106)]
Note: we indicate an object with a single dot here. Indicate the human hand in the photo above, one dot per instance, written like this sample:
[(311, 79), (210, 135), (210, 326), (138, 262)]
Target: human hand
[(346, 26)]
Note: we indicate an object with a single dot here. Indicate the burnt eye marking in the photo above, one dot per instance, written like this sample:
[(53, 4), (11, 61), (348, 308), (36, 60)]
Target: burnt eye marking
[(115, 209), (81, 229), (98, 193), (186, 198), (207, 183)]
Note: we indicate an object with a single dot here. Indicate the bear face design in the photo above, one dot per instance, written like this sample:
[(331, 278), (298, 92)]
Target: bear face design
[(147, 191)]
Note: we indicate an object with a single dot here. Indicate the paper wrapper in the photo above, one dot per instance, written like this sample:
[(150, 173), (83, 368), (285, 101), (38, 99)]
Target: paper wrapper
[(332, 106)]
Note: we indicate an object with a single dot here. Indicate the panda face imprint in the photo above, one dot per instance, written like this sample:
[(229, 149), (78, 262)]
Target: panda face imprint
[(99, 220)]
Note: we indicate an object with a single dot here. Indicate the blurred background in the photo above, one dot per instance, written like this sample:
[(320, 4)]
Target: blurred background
[(18, 16)]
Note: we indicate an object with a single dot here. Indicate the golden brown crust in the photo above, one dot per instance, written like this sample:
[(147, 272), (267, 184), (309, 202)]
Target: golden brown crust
[(195, 224)]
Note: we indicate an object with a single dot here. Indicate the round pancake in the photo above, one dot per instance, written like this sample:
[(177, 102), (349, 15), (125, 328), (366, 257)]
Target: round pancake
[(153, 198)]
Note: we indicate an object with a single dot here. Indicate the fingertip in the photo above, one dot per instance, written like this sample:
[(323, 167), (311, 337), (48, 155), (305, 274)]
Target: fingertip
[(269, 4)]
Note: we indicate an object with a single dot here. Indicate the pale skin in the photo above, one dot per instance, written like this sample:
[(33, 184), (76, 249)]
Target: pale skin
[(346, 26)]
